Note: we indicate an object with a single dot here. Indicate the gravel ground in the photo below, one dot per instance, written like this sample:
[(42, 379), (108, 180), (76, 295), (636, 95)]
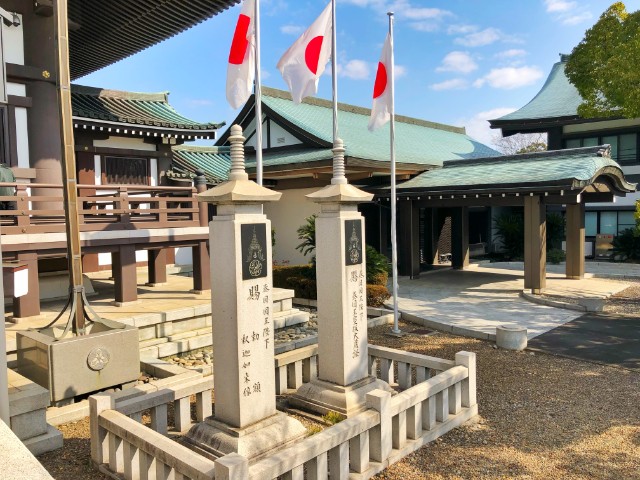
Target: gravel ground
[(626, 302), (541, 417)]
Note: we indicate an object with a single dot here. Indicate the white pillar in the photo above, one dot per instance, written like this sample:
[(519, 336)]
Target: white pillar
[(4, 377)]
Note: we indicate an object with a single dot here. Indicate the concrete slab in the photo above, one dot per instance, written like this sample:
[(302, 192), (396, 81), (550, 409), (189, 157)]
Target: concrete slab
[(597, 337), (474, 302)]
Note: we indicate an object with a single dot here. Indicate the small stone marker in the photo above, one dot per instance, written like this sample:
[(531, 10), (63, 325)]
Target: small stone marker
[(246, 420), (511, 338), (343, 377)]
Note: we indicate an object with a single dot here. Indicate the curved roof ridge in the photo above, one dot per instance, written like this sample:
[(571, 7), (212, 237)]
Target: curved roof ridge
[(120, 94)]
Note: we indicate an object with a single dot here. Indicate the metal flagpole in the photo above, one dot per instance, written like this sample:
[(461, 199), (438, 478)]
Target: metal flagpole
[(392, 129), (334, 71), (258, 95)]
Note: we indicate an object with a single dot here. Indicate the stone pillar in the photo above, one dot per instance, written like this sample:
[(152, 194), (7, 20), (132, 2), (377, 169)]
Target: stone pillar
[(123, 269), (157, 267), (575, 241), (28, 305), (408, 239), (535, 244), (4, 377), (460, 238), (245, 421), (343, 379)]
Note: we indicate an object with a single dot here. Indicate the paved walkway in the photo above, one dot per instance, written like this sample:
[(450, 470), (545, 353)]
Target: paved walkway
[(596, 337), (475, 301), (593, 269)]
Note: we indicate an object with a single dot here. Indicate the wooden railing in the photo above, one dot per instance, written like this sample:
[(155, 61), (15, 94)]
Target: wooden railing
[(101, 207), (439, 396)]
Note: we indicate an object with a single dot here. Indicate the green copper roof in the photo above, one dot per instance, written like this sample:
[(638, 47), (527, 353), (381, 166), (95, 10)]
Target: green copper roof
[(558, 98), (213, 161), (571, 168), (130, 108), (417, 141)]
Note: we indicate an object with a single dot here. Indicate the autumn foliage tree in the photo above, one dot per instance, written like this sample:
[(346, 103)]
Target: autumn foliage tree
[(604, 65)]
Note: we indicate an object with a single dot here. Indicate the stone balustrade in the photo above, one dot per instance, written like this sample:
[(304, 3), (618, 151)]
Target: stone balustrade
[(435, 396)]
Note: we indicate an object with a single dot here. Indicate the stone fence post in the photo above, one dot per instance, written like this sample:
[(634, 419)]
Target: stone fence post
[(468, 359)]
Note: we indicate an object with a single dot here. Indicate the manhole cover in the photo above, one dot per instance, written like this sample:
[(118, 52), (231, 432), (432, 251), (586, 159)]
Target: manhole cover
[(423, 331)]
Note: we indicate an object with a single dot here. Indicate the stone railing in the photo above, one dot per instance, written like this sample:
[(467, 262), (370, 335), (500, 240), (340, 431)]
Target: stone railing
[(435, 396)]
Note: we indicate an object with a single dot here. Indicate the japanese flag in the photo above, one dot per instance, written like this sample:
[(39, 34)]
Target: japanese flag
[(381, 110), (241, 67), (304, 62)]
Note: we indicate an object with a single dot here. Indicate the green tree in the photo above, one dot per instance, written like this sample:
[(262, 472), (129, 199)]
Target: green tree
[(604, 65)]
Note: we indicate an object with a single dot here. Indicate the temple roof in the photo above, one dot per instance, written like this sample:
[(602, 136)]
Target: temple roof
[(213, 161), (101, 33), (571, 169), (136, 111), (419, 143)]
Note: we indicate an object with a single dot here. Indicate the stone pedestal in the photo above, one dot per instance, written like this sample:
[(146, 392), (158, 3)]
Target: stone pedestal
[(343, 379), (246, 420)]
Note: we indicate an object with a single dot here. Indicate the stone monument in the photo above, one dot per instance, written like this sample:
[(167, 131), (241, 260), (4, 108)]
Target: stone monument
[(343, 377), (246, 420)]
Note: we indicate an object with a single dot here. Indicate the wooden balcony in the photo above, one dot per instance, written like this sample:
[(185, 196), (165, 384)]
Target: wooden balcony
[(102, 208)]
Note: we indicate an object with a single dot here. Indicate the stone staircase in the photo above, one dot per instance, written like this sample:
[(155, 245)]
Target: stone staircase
[(28, 404), (182, 330)]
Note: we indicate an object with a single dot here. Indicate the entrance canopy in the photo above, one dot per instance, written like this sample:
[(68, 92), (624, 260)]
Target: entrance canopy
[(579, 175)]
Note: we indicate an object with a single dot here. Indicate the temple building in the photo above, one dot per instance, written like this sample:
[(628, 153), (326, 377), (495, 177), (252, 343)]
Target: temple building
[(554, 111)]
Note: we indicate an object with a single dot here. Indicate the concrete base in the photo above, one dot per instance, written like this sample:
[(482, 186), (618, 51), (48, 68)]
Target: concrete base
[(322, 397), (511, 338), (47, 442), (215, 439)]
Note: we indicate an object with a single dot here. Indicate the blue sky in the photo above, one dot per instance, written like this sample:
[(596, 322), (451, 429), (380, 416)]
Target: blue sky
[(459, 62)]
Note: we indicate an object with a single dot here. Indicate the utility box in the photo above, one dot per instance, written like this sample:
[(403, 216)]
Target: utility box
[(604, 245), (105, 357)]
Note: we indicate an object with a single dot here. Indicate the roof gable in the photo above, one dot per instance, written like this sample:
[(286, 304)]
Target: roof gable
[(417, 141)]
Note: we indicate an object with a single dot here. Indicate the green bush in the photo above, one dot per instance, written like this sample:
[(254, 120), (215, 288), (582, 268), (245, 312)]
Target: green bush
[(555, 256), (510, 229), (377, 267), (307, 235), (626, 245), (555, 231)]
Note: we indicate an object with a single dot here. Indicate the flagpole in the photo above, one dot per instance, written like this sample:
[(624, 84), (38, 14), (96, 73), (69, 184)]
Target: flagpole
[(258, 95), (392, 148), (334, 70)]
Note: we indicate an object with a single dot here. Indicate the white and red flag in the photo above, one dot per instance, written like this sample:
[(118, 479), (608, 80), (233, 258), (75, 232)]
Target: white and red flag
[(241, 67), (381, 110), (303, 64)]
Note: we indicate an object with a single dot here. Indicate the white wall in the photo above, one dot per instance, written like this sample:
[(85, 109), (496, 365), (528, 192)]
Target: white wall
[(125, 142), (286, 216), (279, 136), (184, 256), (13, 44)]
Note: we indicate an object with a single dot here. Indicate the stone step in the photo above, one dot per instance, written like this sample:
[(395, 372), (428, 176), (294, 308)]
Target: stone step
[(295, 318), (152, 342), (188, 334), (48, 441)]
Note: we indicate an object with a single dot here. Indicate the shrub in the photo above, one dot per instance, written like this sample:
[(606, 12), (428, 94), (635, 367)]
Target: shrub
[(626, 245), (377, 267), (555, 256), (307, 233), (303, 287), (377, 295), (510, 229), (555, 231)]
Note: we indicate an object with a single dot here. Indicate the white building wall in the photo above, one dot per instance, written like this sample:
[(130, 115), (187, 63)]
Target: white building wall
[(286, 216), (13, 44), (22, 132), (279, 136)]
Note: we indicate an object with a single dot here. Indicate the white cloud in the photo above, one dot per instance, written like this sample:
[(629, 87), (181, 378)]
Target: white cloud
[(478, 126), (292, 29), (555, 6), (355, 70), (453, 84), (400, 71), (511, 53), (425, 26), (424, 19), (479, 39), (406, 10), (509, 78), (576, 19), (461, 29), (460, 62)]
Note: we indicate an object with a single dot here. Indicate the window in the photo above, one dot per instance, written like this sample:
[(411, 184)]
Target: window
[(126, 171), (608, 222), (624, 148)]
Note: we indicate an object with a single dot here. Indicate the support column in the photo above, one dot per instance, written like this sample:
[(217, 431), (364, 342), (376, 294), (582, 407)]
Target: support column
[(575, 241), (124, 273), (535, 244), (460, 238), (157, 267), (430, 236), (343, 375), (408, 239), (28, 305), (246, 420), (201, 267)]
